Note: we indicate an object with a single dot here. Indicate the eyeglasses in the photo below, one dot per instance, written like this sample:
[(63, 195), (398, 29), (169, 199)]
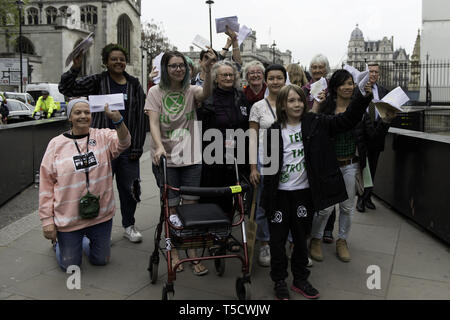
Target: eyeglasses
[(252, 73), (227, 75), (174, 67)]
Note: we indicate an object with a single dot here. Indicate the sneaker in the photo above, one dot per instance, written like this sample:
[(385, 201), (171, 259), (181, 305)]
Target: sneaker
[(281, 290), (328, 237), (315, 249), (305, 288), (310, 263), (132, 234), (342, 250), (264, 256)]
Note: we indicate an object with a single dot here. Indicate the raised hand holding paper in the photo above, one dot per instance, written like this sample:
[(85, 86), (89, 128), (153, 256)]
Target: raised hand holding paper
[(392, 102), (115, 102), (82, 47), (231, 22), (360, 78), (317, 87), (200, 42)]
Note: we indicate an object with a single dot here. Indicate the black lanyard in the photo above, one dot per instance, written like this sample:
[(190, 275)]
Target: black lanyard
[(84, 159), (271, 110)]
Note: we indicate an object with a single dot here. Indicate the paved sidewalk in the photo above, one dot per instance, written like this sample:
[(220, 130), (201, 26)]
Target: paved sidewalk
[(413, 264)]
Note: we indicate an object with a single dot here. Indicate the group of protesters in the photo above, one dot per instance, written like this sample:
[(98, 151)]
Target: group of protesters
[(322, 143)]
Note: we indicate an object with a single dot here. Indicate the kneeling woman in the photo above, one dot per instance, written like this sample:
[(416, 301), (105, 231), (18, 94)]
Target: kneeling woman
[(307, 180), (76, 198)]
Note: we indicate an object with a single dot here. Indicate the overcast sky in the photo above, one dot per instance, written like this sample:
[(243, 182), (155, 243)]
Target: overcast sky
[(306, 27)]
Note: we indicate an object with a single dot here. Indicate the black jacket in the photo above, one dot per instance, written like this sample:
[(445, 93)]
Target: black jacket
[(238, 113), (241, 115), (98, 84), (324, 176), (367, 134)]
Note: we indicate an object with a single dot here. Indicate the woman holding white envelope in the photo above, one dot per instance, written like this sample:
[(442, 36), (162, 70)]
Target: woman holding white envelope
[(116, 81)]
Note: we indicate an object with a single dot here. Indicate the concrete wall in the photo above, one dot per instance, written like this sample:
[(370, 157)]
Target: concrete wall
[(412, 177), (27, 142)]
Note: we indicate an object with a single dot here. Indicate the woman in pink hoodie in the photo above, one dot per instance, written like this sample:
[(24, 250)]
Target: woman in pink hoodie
[(76, 198)]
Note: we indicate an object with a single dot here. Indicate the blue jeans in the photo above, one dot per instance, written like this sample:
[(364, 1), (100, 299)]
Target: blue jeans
[(346, 208), (95, 241), (127, 172), (179, 176), (262, 232)]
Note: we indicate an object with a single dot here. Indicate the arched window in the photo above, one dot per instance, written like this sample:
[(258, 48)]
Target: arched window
[(51, 14), (33, 16), (124, 29), (89, 14), (63, 11), (27, 45)]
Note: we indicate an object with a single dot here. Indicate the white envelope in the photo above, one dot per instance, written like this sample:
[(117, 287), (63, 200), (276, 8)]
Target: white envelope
[(200, 42), (231, 22), (244, 32), (114, 101), (157, 63), (317, 87)]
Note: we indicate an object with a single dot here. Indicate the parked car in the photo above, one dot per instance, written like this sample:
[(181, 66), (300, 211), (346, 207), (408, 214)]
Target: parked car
[(18, 111), (23, 97)]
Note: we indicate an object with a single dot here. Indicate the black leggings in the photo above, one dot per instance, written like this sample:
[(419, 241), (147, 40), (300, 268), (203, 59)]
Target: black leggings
[(294, 212)]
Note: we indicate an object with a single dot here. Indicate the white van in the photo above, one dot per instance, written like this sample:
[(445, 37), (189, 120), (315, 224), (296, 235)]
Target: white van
[(35, 90)]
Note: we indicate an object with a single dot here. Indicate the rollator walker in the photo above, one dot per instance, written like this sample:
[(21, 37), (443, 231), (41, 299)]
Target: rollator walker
[(204, 226)]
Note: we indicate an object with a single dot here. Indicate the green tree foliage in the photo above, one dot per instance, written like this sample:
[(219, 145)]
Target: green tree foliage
[(154, 40), (9, 13)]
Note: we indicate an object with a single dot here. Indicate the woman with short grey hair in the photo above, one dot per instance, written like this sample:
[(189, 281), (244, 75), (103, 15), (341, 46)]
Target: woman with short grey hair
[(256, 86), (318, 68), (230, 66), (227, 108)]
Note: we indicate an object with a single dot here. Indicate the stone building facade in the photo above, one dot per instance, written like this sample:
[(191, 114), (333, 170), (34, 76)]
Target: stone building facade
[(395, 65), (51, 30), (381, 51)]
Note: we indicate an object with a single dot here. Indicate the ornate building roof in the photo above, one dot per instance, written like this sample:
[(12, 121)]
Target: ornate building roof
[(357, 34)]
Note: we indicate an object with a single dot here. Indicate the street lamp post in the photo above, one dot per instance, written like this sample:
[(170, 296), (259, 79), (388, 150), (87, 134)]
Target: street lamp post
[(210, 2), (273, 50), (19, 6)]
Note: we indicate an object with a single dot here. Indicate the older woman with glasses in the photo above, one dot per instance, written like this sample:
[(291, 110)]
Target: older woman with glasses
[(227, 108), (256, 86), (174, 130)]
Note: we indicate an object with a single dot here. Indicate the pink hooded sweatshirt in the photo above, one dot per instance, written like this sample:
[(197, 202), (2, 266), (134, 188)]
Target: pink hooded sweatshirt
[(61, 185)]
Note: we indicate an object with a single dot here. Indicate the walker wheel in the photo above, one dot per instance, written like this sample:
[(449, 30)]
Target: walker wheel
[(153, 269), (243, 289), (168, 292)]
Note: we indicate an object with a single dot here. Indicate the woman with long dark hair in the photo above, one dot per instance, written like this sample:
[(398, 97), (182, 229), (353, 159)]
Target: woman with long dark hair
[(351, 149)]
